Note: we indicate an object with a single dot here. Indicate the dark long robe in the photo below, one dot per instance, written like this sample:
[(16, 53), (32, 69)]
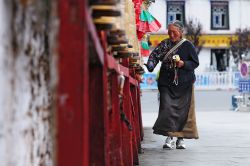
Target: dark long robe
[(175, 100)]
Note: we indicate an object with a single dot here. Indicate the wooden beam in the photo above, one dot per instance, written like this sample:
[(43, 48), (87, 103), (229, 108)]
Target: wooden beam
[(94, 36)]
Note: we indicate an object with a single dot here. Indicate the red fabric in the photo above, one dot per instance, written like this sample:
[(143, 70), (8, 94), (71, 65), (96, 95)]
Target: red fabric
[(143, 27), (137, 6), (154, 26), (144, 52), (140, 34)]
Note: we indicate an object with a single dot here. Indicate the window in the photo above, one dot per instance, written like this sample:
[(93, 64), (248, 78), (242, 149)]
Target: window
[(175, 11), (219, 15)]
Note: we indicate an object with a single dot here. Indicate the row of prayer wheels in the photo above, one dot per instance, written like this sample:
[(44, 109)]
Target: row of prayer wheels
[(114, 17)]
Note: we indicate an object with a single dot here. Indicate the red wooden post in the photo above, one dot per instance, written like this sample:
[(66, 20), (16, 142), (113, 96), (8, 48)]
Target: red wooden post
[(115, 124), (127, 147), (87, 132), (139, 112), (106, 98), (73, 86), (97, 156), (99, 142), (136, 129), (137, 116), (85, 100)]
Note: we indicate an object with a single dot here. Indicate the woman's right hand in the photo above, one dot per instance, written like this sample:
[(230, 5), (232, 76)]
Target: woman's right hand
[(149, 69), (180, 64)]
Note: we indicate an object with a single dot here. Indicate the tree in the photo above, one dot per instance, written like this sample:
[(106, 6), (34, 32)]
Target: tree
[(240, 46), (193, 33)]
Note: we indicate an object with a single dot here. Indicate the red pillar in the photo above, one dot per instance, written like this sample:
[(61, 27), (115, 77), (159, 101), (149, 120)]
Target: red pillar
[(139, 112), (136, 124), (99, 115), (96, 132), (73, 86), (127, 142), (115, 123)]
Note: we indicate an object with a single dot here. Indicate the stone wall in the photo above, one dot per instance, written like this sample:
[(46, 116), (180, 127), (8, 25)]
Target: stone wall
[(28, 31)]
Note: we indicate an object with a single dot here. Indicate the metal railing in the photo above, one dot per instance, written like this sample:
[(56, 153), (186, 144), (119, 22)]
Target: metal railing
[(204, 80), (217, 80)]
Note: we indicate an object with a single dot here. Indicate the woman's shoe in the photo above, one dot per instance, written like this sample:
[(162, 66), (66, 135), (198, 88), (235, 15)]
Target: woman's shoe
[(169, 143), (180, 144)]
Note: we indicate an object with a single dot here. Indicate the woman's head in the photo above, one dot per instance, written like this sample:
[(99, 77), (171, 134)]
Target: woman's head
[(175, 30)]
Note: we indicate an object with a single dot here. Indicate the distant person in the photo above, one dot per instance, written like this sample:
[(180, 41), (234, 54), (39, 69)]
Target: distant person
[(176, 116)]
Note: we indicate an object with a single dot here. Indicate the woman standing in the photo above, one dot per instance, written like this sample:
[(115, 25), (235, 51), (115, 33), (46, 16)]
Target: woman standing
[(176, 116)]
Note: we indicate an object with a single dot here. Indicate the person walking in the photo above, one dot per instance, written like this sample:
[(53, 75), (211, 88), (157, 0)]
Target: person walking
[(176, 117)]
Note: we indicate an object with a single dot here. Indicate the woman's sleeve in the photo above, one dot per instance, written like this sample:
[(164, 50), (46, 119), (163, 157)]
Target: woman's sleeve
[(155, 56), (193, 60)]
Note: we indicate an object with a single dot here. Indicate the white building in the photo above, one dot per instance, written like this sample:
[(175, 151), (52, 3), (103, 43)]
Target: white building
[(219, 18)]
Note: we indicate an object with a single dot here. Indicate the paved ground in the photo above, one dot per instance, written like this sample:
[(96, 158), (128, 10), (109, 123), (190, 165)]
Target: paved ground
[(224, 139), (215, 100)]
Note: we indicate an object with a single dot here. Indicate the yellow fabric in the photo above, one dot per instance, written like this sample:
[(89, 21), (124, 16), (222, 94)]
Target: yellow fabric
[(157, 75)]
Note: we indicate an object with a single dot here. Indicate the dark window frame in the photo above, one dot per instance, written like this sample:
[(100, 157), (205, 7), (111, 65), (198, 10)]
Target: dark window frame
[(183, 8), (227, 16)]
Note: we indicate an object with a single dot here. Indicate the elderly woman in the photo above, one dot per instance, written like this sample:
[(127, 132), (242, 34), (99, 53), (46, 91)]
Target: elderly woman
[(176, 116)]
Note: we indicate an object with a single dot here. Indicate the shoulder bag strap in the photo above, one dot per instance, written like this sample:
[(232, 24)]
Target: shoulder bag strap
[(174, 48)]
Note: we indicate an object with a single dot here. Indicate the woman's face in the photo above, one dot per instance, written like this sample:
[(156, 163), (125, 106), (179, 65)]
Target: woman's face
[(174, 33)]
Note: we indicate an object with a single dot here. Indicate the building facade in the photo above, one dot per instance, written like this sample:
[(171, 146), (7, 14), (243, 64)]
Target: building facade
[(219, 19)]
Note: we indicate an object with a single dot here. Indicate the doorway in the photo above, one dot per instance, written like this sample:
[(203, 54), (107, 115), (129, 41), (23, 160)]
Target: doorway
[(220, 59)]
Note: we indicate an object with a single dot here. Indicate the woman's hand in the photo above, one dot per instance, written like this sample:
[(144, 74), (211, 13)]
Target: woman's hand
[(150, 69), (180, 64), (145, 65)]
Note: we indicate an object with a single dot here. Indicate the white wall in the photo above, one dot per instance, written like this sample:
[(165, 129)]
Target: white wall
[(200, 10), (245, 16), (239, 14), (159, 11), (5, 86), (204, 59), (235, 15)]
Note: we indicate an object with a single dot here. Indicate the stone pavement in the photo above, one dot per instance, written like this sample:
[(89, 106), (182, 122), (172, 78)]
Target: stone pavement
[(224, 141)]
